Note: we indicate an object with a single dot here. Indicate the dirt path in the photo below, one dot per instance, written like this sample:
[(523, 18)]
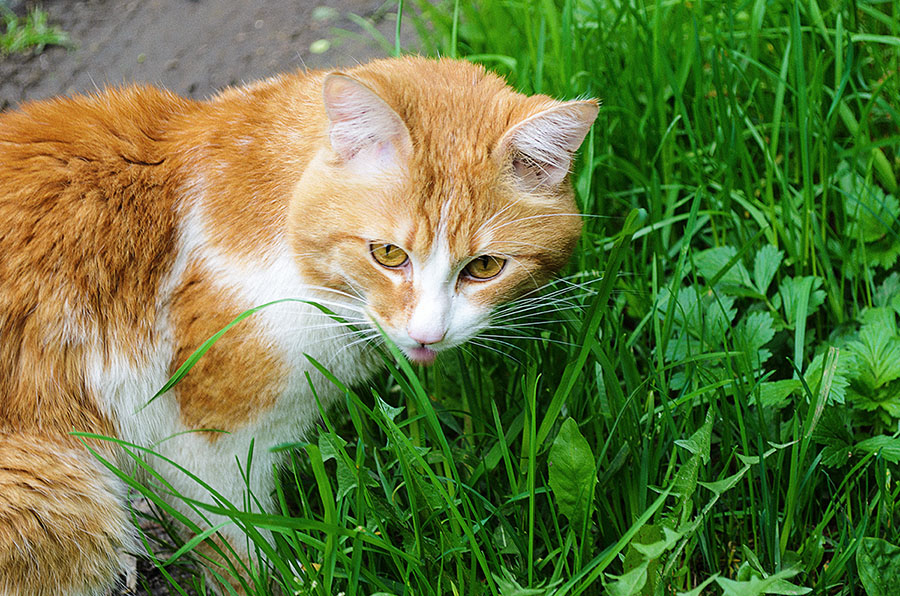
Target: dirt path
[(193, 47)]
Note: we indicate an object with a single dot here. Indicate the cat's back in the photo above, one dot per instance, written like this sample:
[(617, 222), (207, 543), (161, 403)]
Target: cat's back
[(88, 188)]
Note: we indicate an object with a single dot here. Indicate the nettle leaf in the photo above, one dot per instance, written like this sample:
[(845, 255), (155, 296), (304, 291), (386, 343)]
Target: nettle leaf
[(878, 562), (572, 472), (835, 433), (846, 370), (887, 295), (886, 446), (878, 353), (870, 211), (791, 292), (881, 253), (711, 262), (776, 394), (765, 265), (752, 333), (703, 314)]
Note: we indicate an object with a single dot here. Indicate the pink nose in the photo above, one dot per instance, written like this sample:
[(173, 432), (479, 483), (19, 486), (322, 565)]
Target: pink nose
[(426, 336)]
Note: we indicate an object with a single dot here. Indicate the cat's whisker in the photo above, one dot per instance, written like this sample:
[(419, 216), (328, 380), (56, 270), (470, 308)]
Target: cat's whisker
[(559, 304), (531, 338), (485, 346), (368, 338), (530, 217)]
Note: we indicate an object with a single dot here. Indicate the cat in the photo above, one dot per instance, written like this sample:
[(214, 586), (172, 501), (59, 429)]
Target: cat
[(410, 196)]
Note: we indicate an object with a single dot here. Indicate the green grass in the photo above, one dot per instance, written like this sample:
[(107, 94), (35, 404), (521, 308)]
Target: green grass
[(29, 33), (721, 414)]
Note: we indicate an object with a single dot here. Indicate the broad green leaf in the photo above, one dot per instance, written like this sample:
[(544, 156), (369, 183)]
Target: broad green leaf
[(775, 394), (846, 369), (755, 586), (698, 591), (765, 265), (572, 472), (887, 447), (330, 447), (887, 295), (870, 210), (720, 486), (878, 562), (388, 410), (878, 354), (699, 442), (752, 333), (629, 583), (710, 263), (790, 292), (508, 586)]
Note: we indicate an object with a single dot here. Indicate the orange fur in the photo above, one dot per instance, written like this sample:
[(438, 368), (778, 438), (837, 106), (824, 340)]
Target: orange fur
[(134, 222)]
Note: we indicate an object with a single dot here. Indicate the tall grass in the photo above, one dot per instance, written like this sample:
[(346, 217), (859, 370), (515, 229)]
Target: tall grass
[(716, 411)]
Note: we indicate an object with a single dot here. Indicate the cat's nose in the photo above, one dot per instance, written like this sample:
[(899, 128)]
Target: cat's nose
[(426, 336)]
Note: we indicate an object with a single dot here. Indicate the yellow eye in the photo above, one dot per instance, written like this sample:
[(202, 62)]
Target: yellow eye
[(388, 255), (484, 267)]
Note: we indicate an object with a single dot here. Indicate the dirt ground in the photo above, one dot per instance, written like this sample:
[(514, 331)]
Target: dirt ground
[(193, 47)]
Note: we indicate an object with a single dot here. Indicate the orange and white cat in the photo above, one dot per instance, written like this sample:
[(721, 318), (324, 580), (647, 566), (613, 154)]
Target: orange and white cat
[(409, 194)]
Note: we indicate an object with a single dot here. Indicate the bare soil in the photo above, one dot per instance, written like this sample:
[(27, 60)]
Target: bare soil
[(194, 48)]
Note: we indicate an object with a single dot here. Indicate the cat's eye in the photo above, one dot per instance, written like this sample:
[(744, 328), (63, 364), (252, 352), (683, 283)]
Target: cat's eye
[(484, 267), (388, 255)]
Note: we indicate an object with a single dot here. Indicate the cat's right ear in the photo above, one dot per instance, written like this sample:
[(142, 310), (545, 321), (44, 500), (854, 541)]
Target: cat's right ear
[(364, 130)]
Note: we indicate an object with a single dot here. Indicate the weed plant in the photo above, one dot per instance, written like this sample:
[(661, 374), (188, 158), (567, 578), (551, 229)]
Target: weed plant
[(29, 33), (708, 402)]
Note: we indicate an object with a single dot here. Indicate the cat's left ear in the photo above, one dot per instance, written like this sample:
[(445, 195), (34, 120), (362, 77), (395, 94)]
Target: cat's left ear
[(365, 131), (541, 146)]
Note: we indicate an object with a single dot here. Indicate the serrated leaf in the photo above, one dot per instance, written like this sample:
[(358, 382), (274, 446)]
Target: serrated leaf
[(388, 410), (656, 549), (878, 354), (846, 369), (878, 562), (775, 394), (712, 261), (752, 333), (886, 446), (630, 583), (881, 253), (720, 486), (870, 211), (887, 295), (765, 265), (508, 586), (572, 473), (330, 446), (791, 291), (755, 586), (698, 591), (699, 442)]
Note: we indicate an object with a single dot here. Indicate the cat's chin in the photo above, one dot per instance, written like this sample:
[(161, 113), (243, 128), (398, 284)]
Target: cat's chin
[(421, 355)]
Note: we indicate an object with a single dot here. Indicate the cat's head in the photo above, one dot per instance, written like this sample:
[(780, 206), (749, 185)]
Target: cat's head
[(438, 194)]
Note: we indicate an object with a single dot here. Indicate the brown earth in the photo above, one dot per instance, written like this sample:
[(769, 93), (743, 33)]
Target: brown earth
[(193, 47)]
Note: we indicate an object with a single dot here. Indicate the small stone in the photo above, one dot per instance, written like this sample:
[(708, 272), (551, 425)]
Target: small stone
[(320, 46)]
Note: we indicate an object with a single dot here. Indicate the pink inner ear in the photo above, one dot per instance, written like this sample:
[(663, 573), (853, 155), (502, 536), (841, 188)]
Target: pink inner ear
[(542, 145), (363, 126)]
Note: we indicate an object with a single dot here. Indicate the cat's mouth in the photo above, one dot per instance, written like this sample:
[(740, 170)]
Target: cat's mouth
[(421, 355)]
